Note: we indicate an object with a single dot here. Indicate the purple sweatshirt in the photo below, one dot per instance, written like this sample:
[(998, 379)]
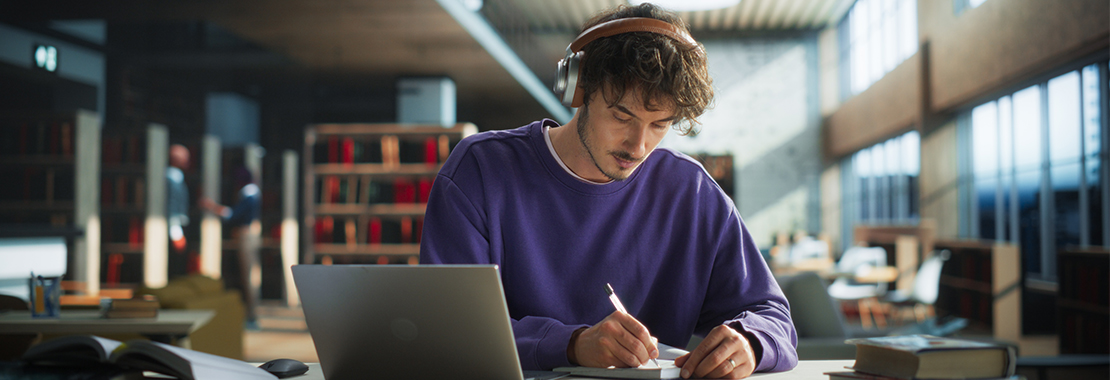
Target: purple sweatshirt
[(667, 238)]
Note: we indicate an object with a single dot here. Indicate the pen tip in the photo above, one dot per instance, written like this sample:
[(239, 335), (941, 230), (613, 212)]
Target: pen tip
[(608, 288)]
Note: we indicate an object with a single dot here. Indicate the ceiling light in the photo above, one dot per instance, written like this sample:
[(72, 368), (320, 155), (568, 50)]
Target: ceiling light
[(689, 5)]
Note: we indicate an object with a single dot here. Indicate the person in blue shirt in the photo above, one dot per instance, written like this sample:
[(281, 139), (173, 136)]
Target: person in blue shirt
[(177, 196), (244, 218)]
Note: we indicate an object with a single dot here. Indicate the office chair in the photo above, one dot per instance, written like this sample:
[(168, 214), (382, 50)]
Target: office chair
[(857, 260), (926, 287)]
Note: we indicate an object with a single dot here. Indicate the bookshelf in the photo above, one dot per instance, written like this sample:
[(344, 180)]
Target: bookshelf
[(123, 197), (1083, 303), (981, 281), (53, 163), (366, 188)]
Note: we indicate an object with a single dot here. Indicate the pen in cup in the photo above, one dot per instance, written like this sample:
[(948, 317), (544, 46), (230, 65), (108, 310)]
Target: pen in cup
[(620, 306)]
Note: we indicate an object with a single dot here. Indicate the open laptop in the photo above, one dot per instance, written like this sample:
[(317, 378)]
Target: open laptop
[(400, 321)]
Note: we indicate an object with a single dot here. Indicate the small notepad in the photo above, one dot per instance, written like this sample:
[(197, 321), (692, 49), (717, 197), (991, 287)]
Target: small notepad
[(665, 370)]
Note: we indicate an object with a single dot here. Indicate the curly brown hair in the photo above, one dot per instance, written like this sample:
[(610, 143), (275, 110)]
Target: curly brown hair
[(663, 70)]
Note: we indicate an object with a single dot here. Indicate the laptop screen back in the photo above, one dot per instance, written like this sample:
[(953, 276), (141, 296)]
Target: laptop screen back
[(385, 321)]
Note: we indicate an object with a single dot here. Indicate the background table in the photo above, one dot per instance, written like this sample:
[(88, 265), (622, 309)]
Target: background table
[(171, 326)]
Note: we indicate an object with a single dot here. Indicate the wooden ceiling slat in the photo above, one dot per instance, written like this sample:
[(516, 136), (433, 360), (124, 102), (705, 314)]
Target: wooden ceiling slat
[(748, 13), (821, 17), (805, 14), (794, 15), (765, 10), (775, 19), (728, 17)]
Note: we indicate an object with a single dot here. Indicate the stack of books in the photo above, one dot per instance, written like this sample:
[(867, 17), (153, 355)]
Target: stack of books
[(928, 357), (139, 307)]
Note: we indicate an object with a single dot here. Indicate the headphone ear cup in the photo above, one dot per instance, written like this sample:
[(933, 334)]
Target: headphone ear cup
[(560, 85), (571, 96)]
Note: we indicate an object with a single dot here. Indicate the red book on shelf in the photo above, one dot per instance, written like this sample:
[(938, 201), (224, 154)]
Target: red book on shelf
[(419, 227), (348, 150), (404, 191), (374, 231), (115, 261), (406, 230), (324, 228), (333, 149), (333, 189), (425, 190), (431, 151), (135, 232), (194, 262)]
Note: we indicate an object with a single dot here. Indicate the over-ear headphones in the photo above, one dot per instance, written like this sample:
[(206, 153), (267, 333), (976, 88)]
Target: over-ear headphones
[(566, 73)]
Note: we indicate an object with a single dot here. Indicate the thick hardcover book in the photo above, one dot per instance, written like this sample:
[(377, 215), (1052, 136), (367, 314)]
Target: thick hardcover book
[(88, 350), (930, 357), (852, 375)]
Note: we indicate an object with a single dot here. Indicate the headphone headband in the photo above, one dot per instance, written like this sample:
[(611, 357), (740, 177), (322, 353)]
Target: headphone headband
[(628, 25), (566, 72)]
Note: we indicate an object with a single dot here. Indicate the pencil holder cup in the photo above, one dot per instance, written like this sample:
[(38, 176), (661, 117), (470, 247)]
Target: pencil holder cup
[(45, 294)]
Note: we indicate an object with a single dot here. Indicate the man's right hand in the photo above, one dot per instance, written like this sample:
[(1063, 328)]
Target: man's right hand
[(619, 340)]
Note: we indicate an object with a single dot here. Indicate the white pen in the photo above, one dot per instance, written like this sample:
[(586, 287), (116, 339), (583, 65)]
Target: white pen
[(620, 306)]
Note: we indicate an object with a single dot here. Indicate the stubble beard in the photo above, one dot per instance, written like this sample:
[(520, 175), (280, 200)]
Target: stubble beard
[(583, 136)]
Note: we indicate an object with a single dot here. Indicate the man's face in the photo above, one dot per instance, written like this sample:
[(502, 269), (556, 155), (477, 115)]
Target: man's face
[(619, 138)]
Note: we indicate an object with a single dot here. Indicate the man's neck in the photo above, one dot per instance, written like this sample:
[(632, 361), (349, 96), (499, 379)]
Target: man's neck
[(568, 146)]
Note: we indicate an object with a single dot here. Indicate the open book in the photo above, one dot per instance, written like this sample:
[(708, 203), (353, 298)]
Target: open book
[(665, 370), (78, 350)]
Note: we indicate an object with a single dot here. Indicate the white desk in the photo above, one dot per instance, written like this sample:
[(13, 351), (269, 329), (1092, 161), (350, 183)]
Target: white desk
[(171, 326), (806, 370)]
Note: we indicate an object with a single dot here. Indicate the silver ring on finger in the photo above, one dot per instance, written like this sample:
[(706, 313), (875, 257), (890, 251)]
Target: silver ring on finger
[(731, 362)]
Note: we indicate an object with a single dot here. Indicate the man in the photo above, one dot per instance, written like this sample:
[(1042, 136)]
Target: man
[(244, 218), (177, 196), (563, 210)]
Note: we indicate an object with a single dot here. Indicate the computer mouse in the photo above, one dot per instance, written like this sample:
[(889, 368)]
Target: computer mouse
[(283, 368)]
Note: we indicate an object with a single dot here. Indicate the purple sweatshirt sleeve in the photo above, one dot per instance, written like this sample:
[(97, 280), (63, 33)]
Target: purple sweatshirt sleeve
[(454, 233), (741, 280)]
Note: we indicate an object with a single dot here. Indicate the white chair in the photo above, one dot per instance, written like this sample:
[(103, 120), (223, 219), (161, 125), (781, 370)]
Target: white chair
[(926, 287), (808, 249), (856, 261)]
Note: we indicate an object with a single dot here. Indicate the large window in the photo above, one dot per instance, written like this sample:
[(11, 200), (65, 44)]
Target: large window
[(1037, 168), (880, 184), (880, 35)]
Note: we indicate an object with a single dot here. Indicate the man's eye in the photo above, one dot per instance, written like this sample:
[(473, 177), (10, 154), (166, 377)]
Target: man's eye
[(621, 119)]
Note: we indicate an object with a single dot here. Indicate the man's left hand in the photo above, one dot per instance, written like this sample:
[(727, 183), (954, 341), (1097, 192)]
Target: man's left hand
[(723, 354)]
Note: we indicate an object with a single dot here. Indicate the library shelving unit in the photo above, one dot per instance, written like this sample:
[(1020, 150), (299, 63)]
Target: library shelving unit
[(53, 164), (1083, 305), (981, 281), (366, 188), (123, 211)]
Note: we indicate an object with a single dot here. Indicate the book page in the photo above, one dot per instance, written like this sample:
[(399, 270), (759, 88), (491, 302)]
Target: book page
[(208, 366), (75, 348), (670, 352)]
